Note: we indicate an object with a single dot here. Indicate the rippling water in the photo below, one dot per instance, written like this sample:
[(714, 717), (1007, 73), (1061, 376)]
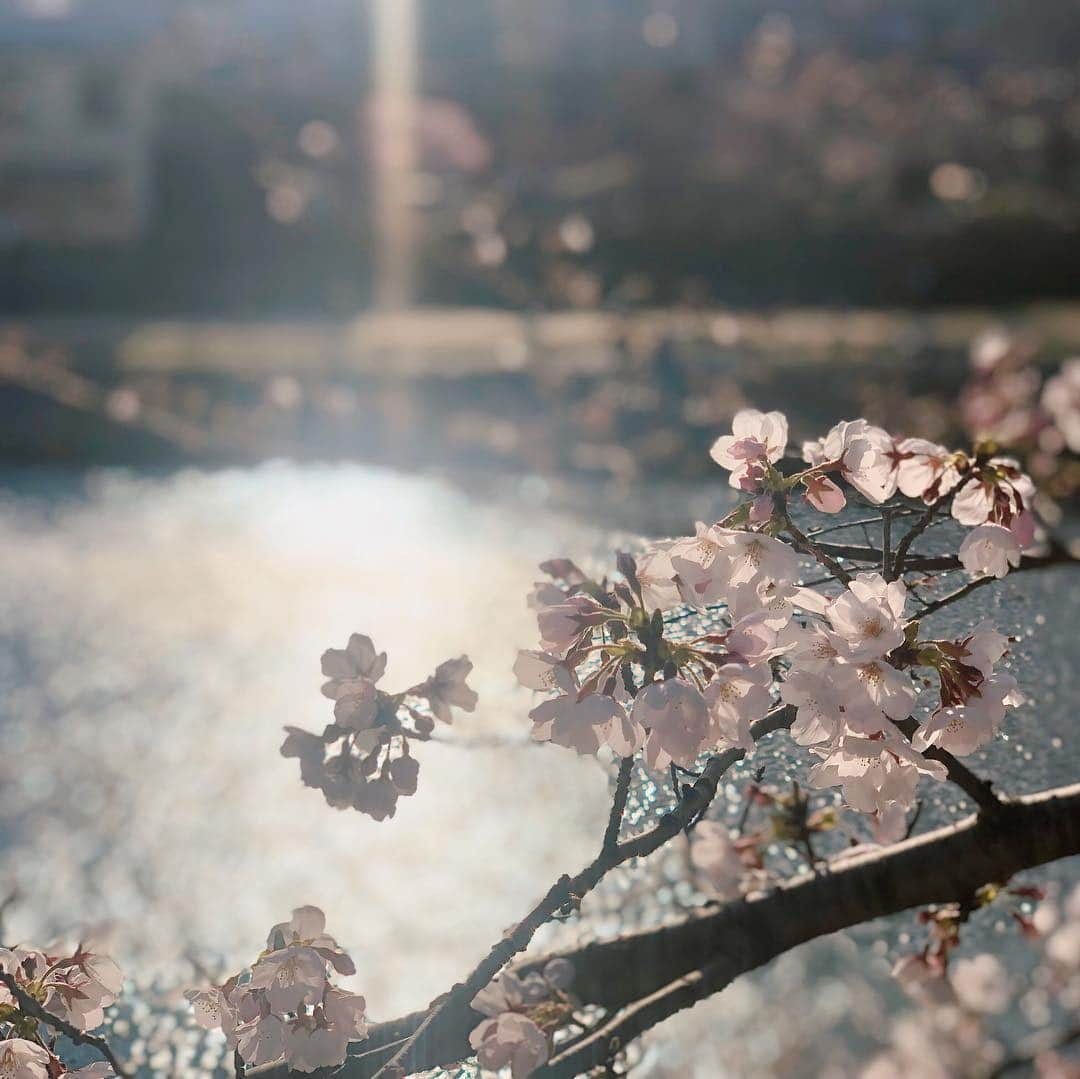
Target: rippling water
[(157, 633)]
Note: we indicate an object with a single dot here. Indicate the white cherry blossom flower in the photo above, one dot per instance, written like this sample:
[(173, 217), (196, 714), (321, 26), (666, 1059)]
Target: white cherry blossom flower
[(997, 493), (861, 453), (737, 695), (446, 688), (756, 436), (23, 1059), (510, 1040), (925, 470), (826, 706), (542, 671), (564, 623), (678, 721), (212, 1009), (656, 575), (963, 728), (717, 858), (261, 1041), (358, 659), (868, 617), (890, 690), (357, 705), (754, 558), (586, 724), (292, 976), (989, 551), (81, 987), (874, 772), (700, 575), (307, 926)]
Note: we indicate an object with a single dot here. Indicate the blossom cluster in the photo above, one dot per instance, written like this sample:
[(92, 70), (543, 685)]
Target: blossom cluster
[(73, 986), (372, 764), (1008, 401), (523, 1014), (845, 663), (284, 1007)]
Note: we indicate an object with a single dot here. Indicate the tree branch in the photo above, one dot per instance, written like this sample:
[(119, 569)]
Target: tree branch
[(29, 1006), (651, 974)]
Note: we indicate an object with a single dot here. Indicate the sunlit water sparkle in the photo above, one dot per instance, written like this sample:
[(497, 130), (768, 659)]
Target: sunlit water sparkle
[(159, 631)]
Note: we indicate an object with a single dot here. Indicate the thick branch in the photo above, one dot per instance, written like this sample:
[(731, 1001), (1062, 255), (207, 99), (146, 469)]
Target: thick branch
[(652, 975)]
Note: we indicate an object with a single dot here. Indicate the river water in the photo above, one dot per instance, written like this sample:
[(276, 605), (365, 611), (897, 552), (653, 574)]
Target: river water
[(156, 633)]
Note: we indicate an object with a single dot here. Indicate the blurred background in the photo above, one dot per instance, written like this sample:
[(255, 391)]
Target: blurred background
[(567, 235), (340, 315)]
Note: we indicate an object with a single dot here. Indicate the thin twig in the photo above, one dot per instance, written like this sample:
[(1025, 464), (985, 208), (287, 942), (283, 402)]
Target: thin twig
[(807, 546), (952, 597), (30, 1007), (917, 529), (618, 806), (886, 541)]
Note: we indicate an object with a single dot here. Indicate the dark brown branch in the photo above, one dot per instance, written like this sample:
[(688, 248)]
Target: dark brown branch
[(944, 866), (900, 564), (952, 597), (30, 1007), (820, 552), (618, 805)]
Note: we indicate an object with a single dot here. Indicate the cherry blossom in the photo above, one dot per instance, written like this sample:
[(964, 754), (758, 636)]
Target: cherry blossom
[(756, 437), (717, 857), (542, 671), (22, 1059), (963, 728), (446, 688), (873, 772), (867, 617), (77, 987), (861, 453), (754, 558), (989, 550), (586, 723), (562, 625), (284, 1007), (358, 659), (373, 766), (995, 491), (737, 695), (924, 469), (677, 719), (512, 1040)]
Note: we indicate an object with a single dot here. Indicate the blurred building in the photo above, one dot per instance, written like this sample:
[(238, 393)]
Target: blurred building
[(78, 91)]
